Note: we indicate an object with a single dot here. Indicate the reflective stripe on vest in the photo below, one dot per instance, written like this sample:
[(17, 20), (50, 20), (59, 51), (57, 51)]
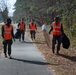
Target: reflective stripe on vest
[(56, 29), (7, 32), (21, 25), (32, 27)]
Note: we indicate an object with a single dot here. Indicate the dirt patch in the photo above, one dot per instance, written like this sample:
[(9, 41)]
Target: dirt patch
[(63, 64)]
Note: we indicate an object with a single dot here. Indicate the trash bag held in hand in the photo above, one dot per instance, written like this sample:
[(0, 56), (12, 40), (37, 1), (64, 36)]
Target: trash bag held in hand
[(65, 41), (17, 34)]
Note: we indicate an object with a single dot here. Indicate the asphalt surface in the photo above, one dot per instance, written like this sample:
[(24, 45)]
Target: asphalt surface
[(26, 60)]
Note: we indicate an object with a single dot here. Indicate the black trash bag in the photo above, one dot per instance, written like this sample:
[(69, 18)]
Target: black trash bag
[(17, 34), (65, 41)]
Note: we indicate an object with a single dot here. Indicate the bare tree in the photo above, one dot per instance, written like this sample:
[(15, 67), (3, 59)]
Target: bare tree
[(4, 9)]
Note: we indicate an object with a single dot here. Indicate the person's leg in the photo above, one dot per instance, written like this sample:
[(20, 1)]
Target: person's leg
[(34, 34), (58, 45), (19, 35), (5, 48), (9, 48), (53, 44), (31, 32), (23, 33)]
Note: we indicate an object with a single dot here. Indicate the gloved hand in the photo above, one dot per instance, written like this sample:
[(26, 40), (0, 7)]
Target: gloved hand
[(49, 32), (14, 39), (25, 30), (3, 39)]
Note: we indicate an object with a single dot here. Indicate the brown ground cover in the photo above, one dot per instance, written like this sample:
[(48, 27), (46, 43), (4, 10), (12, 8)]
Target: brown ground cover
[(63, 64)]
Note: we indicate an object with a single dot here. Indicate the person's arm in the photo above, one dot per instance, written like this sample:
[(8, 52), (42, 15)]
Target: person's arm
[(62, 28), (24, 26), (12, 33), (35, 26), (51, 28), (18, 25), (2, 31), (29, 26)]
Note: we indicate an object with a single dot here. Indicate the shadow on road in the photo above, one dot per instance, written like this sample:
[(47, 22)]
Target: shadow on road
[(72, 58), (36, 42), (32, 61)]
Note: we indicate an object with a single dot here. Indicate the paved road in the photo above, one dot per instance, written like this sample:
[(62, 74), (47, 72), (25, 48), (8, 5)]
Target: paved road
[(26, 60)]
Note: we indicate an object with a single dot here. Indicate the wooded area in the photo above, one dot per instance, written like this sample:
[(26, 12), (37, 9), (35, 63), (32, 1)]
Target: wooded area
[(47, 9)]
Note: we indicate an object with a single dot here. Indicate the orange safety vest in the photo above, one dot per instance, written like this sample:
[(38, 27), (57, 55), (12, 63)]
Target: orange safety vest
[(21, 25), (32, 27), (7, 32), (56, 29)]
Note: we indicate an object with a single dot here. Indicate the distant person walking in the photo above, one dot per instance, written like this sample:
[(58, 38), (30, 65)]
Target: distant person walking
[(7, 35), (22, 28), (33, 28), (57, 30)]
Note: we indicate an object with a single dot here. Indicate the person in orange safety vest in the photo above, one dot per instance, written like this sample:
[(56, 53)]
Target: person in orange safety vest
[(21, 27), (7, 35), (57, 30), (33, 28)]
